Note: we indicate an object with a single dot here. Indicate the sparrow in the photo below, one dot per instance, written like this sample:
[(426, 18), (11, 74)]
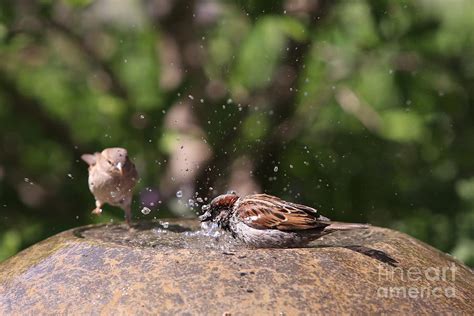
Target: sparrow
[(112, 177), (265, 221)]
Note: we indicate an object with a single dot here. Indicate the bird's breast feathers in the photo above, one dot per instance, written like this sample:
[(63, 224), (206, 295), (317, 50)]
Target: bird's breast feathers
[(109, 188)]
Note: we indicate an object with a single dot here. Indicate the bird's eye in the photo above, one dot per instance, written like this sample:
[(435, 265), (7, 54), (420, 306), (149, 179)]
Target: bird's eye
[(110, 162)]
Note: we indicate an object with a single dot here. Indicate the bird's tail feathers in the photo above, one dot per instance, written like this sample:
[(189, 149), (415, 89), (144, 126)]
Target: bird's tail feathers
[(337, 226)]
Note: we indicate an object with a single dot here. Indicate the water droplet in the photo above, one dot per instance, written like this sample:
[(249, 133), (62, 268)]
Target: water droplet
[(275, 169), (291, 166), (191, 97), (70, 176), (200, 200), (179, 194), (145, 210)]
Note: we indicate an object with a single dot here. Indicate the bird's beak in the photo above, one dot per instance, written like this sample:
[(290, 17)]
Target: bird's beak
[(206, 216), (119, 168)]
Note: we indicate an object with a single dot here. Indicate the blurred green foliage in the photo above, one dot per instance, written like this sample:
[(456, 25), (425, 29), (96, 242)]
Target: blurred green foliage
[(362, 109)]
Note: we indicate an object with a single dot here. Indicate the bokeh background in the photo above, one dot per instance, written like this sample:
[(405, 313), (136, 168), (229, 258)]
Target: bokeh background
[(363, 109)]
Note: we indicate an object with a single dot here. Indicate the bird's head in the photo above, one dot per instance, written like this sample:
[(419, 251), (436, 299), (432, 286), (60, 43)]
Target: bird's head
[(219, 208), (115, 160)]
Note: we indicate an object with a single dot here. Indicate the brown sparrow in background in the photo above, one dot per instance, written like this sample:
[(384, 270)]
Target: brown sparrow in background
[(112, 177), (264, 221)]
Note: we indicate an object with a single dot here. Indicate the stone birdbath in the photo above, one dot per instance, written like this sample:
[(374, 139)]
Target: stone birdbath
[(174, 267)]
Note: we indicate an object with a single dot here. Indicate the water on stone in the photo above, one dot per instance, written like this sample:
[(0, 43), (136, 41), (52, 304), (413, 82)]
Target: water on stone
[(190, 234), (163, 235)]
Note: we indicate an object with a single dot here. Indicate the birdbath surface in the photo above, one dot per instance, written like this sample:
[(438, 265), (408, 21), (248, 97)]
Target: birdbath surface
[(175, 267)]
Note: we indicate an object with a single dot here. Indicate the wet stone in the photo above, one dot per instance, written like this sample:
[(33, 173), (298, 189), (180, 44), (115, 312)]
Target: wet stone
[(175, 267)]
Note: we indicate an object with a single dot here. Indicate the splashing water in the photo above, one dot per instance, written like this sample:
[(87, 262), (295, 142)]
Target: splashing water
[(145, 210), (169, 235), (213, 235)]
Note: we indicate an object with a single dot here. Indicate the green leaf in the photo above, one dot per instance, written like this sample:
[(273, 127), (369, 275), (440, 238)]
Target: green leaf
[(10, 243), (263, 48), (294, 29), (402, 126), (465, 189), (79, 3), (255, 127)]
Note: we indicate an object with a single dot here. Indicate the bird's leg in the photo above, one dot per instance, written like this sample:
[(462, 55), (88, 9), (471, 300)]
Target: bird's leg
[(98, 208), (126, 206), (128, 215)]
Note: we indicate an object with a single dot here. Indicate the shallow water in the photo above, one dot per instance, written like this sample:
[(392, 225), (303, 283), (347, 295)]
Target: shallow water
[(164, 234), (190, 234)]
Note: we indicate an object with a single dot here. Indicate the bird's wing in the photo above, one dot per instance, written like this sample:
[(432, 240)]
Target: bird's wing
[(262, 211), (90, 159)]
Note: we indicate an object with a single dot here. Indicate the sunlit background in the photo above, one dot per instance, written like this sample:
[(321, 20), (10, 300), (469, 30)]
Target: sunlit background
[(362, 109)]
